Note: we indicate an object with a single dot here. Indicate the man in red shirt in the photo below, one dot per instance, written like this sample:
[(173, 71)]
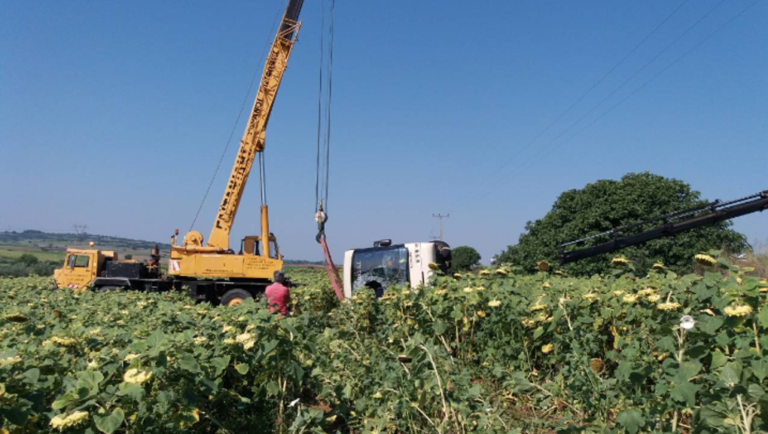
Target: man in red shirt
[(277, 294)]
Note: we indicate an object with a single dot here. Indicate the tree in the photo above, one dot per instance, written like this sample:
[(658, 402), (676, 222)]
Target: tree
[(608, 204), (128, 257), (463, 258), (27, 259)]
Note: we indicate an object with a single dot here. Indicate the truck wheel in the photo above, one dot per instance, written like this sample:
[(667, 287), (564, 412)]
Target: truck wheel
[(234, 297)]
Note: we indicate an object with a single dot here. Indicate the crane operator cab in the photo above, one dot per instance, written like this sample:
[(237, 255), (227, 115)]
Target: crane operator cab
[(383, 265), (251, 245)]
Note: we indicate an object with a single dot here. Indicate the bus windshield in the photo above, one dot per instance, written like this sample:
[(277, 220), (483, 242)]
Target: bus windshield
[(379, 267)]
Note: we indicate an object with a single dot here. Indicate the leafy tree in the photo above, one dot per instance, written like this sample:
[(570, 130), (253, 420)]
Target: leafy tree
[(27, 259), (128, 256), (608, 204), (463, 258)]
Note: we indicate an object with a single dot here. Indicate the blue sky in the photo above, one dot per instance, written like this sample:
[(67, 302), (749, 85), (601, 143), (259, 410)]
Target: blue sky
[(114, 114)]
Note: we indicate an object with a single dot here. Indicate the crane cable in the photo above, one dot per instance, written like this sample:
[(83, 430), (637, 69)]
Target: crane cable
[(323, 158), (256, 74), (325, 94)]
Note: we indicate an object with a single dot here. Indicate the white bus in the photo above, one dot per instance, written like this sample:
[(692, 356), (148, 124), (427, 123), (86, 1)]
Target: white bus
[(385, 264)]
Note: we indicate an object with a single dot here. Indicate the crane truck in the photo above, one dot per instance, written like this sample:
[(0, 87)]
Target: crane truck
[(210, 271)]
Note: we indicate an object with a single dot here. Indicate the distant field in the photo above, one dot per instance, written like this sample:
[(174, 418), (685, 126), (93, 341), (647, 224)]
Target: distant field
[(52, 247), (13, 252)]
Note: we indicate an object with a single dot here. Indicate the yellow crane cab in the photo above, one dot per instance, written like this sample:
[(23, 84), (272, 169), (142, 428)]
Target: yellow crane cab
[(81, 267)]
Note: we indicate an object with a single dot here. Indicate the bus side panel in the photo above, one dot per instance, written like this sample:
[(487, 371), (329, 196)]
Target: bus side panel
[(416, 273)]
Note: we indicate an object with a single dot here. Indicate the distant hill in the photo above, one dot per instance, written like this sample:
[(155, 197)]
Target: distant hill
[(55, 241), (51, 246)]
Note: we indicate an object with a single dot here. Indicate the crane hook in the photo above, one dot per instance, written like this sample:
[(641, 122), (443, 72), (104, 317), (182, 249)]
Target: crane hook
[(320, 217)]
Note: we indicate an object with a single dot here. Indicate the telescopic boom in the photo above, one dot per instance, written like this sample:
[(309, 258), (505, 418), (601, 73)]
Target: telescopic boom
[(252, 142), (673, 224)]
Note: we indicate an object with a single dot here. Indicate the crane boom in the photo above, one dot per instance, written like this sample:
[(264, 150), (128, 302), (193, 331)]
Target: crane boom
[(673, 224), (253, 142)]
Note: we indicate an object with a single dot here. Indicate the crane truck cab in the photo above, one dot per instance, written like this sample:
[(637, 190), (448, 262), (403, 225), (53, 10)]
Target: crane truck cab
[(103, 270), (81, 267), (385, 264)]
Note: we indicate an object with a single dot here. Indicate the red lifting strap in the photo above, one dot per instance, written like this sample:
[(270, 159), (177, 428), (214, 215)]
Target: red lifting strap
[(333, 272)]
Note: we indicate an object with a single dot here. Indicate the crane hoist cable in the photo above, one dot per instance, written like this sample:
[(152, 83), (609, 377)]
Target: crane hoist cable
[(323, 159), (256, 75)]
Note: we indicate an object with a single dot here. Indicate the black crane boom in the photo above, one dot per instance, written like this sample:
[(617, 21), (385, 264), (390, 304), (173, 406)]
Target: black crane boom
[(673, 224)]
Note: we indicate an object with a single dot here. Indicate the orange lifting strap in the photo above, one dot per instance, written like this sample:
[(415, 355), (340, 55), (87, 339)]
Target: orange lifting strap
[(333, 273)]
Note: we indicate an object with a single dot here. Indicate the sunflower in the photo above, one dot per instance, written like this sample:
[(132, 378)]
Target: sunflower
[(738, 310), (670, 305), (542, 265), (705, 260), (646, 292), (708, 312), (596, 365), (546, 349), (619, 261), (130, 357), (630, 298), (247, 340), (494, 303), (137, 376), (65, 421)]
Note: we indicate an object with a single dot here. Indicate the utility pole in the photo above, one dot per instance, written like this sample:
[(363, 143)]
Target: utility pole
[(80, 231), (441, 217)]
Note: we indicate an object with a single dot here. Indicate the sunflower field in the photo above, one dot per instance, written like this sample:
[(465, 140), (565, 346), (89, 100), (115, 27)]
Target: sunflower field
[(491, 351)]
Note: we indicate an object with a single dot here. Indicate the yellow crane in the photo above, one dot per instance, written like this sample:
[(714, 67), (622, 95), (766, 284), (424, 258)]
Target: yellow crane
[(213, 269)]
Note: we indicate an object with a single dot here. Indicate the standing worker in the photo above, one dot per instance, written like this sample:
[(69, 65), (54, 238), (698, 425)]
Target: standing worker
[(277, 294)]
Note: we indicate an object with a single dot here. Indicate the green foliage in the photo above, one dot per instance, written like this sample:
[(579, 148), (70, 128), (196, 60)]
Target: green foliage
[(464, 258), (128, 256), (26, 265), (607, 204), (27, 259), (490, 352)]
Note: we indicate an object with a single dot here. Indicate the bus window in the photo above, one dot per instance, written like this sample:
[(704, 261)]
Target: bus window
[(379, 268)]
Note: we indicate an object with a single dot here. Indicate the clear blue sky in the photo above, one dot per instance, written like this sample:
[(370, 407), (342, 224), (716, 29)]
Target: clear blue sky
[(114, 114)]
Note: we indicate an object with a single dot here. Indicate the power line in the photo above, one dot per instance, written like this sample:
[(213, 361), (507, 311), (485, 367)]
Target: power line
[(635, 74), (589, 90), (530, 162)]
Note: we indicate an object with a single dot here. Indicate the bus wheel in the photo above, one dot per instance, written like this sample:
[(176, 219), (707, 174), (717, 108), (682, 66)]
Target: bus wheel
[(234, 297)]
